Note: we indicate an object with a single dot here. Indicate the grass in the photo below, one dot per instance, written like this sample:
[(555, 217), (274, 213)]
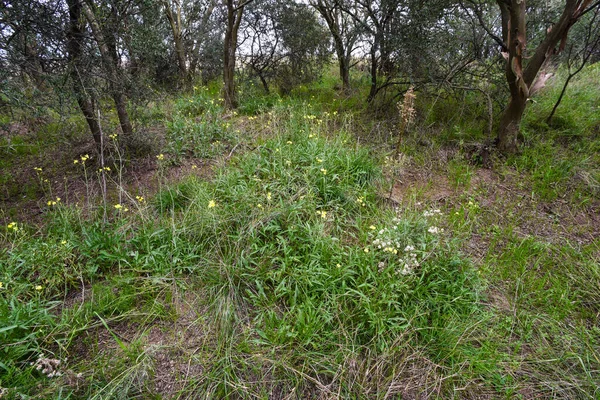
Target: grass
[(304, 267)]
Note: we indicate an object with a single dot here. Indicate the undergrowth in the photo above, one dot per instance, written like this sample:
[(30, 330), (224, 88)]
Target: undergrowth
[(299, 270)]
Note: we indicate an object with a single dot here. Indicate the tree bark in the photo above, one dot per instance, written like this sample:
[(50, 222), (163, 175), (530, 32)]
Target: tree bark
[(510, 122), (74, 49)]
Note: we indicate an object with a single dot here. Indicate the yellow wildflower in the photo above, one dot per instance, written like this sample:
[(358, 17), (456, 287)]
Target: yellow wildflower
[(366, 249), (160, 157), (319, 160), (269, 196), (1, 285), (372, 227), (38, 169), (212, 204), (75, 161), (38, 288), (118, 206), (324, 171), (63, 242), (139, 198)]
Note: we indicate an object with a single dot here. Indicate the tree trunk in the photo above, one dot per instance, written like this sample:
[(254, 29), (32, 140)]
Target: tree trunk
[(508, 130), (264, 83), (234, 18), (373, 90), (176, 29), (74, 49), (519, 91), (344, 63), (330, 15), (345, 73), (115, 81), (520, 79)]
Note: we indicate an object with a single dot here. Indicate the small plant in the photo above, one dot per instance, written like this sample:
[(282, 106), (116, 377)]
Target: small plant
[(407, 113)]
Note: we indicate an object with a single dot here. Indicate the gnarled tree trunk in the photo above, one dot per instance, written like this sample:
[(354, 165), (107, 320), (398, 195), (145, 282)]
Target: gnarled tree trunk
[(521, 78)]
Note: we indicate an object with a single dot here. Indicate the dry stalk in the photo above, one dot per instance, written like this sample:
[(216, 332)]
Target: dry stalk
[(406, 108)]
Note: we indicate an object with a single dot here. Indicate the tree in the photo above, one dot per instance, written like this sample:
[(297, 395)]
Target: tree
[(235, 11), (577, 58), (30, 38), (187, 20), (344, 30), (519, 76), (285, 42), (175, 21), (106, 43), (398, 34), (75, 44)]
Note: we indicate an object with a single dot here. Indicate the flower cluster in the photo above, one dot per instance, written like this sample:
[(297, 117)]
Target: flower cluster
[(432, 213), (388, 241), (53, 202), (361, 202), (121, 208), (323, 214), (47, 366), (410, 261), (434, 230), (104, 169), (160, 157), (140, 199), (12, 226), (83, 159)]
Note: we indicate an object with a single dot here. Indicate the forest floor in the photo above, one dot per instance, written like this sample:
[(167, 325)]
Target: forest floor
[(287, 252)]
